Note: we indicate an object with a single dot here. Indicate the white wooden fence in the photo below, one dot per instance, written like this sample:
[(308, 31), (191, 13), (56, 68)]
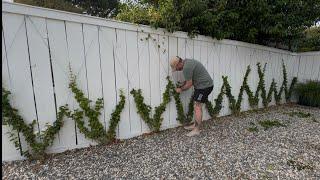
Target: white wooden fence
[(38, 45)]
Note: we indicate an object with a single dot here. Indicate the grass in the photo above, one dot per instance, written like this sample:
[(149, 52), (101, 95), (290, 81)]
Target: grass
[(267, 124), (299, 114), (298, 165), (314, 120), (253, 127)]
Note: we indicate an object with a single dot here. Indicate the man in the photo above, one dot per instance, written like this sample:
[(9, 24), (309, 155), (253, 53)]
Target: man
[(195, 75)]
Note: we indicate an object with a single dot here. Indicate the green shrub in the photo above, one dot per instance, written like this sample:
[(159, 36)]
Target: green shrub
[(308, 93)]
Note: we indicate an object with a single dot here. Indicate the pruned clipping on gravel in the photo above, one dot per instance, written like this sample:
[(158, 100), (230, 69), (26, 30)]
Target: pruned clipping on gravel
[(279, 142)]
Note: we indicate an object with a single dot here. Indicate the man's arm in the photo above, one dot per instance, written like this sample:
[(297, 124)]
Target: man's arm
[(186, 86)]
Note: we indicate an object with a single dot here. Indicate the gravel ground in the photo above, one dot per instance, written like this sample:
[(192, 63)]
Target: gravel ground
[(225, 149)]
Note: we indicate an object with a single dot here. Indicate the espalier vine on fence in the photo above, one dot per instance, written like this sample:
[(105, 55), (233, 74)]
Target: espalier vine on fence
[(40, 141), (37, 142), (234, 105), (96, 131), (154, 123)]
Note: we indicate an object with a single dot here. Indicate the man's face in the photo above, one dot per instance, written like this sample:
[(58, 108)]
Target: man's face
[(179, 66)]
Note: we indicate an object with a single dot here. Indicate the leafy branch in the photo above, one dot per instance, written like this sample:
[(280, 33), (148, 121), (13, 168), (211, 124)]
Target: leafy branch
[(96, 130)]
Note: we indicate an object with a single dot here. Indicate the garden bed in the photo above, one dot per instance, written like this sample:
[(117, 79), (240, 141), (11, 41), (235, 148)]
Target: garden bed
[(277, 142)]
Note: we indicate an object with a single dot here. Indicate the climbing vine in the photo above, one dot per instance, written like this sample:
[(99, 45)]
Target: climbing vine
[(96, 130), (144, 110), (39, 142), (115, 117), (261, 86), (154, 123), (235, 105)]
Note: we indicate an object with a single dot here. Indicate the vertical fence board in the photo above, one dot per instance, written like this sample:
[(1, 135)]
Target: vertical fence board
[(9, 152), (215, 69), (259, 59), (144, 72), (189, 53), (315, 68), (133, 75), (41, 71), (60, 63), (164, 72), (21, 88), (210, 55), (243, 56), (189, 49), (182, 53), (235, 74), (76, 57), (225, 70), (154, 71), (219, 70), (172, 52), (92, 57), (122, 81), (107, 39), (204, 60)]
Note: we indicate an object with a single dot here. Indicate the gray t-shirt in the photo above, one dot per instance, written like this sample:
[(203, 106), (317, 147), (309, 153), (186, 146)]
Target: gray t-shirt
[(194, 70)]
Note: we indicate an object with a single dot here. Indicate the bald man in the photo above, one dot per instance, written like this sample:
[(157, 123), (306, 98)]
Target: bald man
[(195, 75)]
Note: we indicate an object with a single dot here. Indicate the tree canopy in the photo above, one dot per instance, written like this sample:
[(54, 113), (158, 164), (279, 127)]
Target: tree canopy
[(279, 23), (100, 8), (254, 21)]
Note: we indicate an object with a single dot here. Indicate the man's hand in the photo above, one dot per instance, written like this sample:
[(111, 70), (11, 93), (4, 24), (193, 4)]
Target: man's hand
[(178, 90)]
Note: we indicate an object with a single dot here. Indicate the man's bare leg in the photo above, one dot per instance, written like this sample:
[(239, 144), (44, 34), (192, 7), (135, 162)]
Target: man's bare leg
[(198, 119)]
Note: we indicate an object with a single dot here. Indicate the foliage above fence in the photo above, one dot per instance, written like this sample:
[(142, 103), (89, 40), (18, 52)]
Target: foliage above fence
[(281, 21), (40, 141)]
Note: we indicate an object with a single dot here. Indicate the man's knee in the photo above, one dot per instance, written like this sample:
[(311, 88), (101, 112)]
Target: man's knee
[(197, 105)]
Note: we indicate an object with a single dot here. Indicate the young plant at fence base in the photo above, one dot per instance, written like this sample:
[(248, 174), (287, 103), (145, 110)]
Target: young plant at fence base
[(298, 165), (253, 127), (37, 142), (267, 124), (96, 131), (299, 114)]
